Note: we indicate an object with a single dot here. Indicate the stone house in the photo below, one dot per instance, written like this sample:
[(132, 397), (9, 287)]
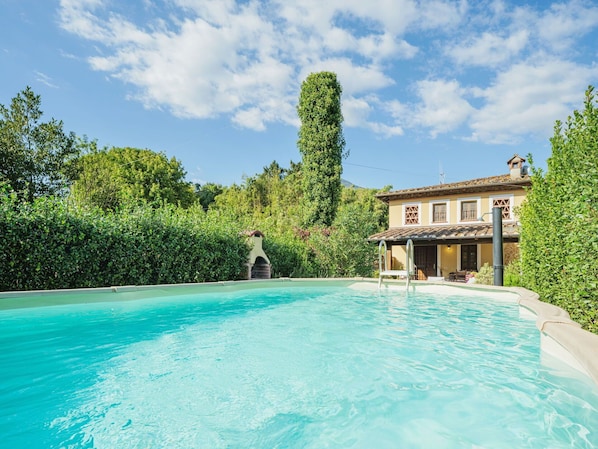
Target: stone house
[(451, 224)]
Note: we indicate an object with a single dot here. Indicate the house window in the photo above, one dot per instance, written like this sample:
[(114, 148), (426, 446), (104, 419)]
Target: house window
[(412, 214), (469, 257), (469, 210), (505, 204), (439, 213)]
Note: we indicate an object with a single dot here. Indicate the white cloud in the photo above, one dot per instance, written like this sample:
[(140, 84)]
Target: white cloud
[(252, 118), (443, 107), (229, 58), (489, 49), (434, 65), (396, 109), (385, 130), (384, 46), (395, 16), (356, 111), (559, 25), (528, 98), (45, 79), (375, 47), (353, 78), (78, 17), (217, 12), (441, 13)]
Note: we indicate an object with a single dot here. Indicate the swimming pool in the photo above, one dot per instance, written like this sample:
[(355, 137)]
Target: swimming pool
[(301, 365)]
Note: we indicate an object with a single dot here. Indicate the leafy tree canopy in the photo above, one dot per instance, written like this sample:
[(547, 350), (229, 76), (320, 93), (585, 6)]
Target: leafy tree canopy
[(206, 194), (109, 178), (35, 156)]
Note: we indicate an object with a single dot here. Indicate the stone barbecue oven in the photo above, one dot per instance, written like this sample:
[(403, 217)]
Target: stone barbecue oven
[(258, 265)]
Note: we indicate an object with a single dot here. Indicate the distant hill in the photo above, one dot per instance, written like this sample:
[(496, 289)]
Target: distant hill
[(346, 183)]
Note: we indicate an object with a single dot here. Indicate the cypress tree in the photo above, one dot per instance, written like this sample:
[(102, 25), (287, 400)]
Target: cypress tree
[(321, 144)]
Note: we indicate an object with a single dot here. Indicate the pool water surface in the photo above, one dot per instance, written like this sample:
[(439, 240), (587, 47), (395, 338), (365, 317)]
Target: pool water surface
[(290, 367)]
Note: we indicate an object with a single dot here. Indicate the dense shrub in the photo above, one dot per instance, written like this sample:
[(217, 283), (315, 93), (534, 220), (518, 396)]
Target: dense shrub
[(290, 256), (343, 250), (512, 274), (271, 203), (55, 244), (559, 236), (48, 245), (485, 276)]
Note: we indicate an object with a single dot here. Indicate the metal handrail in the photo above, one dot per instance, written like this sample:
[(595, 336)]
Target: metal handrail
[(383, 269), (409, 262), (382, 249)]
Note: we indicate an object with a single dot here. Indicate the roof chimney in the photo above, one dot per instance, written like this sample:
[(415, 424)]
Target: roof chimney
[(516, 167)]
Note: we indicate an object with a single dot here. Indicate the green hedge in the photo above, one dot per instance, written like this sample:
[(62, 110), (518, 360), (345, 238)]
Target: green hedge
[(559, 235), (49, 245), (290, 256)]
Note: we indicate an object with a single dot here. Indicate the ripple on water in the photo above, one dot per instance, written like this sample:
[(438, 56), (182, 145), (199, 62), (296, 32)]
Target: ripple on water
[(302, 369)]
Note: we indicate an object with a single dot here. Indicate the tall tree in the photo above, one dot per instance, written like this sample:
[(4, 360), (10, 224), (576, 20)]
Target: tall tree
[(268, 200), (206, 194), (321, 144), (107, 178), (35, 156), (559, 235)]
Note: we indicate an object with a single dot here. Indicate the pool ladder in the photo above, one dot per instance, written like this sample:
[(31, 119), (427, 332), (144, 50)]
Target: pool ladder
[(383, 264)]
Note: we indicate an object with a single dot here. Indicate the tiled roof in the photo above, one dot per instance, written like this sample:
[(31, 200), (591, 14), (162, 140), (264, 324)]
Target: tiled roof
[(492, 183), (446, 233)]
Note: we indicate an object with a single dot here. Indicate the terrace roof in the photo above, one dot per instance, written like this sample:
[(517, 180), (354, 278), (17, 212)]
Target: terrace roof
[(446, 234)]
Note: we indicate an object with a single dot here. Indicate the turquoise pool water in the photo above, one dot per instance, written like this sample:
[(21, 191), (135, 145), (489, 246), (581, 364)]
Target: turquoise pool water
[(291, 367)]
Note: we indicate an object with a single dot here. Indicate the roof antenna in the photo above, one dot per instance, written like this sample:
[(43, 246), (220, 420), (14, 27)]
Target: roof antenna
[(441, 173)]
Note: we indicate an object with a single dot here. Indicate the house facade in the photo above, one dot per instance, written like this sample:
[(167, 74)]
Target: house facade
[(451, 224)]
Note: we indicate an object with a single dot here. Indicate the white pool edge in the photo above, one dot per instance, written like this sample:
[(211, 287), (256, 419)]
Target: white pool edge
[(561, 336)]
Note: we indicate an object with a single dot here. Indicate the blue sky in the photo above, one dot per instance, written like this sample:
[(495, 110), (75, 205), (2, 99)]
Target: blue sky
[(429, 87)]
